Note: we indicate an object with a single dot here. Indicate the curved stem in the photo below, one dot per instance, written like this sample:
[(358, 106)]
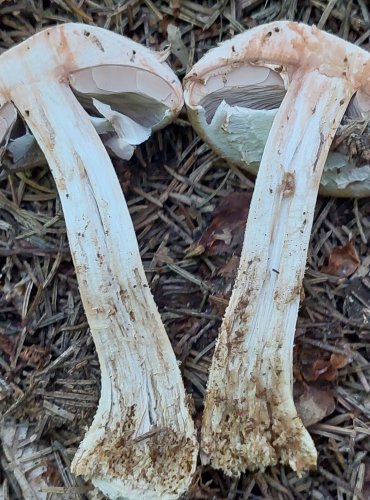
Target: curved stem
[(142, 437), (250, 420)]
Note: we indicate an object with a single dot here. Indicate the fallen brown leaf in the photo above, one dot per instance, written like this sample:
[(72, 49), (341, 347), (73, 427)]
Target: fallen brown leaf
[(226, 231), (320, 369), (343, 261), (313, 364), (339, 360), (228, 271), (219, 303), (314, 404)]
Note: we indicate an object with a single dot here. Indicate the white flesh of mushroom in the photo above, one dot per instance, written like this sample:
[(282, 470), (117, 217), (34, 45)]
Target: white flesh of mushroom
[(250, 421), (238, 111), (141, 443)]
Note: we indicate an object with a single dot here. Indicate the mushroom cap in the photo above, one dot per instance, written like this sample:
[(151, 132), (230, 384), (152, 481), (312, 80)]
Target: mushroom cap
[(232, 94), (138, 89)]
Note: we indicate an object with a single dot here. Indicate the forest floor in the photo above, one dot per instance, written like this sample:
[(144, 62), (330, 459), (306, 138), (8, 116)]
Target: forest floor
[(181, 195)]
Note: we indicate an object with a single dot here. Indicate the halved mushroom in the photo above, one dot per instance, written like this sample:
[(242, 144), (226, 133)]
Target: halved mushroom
[(250, 421), (141, 442), (234, 109)]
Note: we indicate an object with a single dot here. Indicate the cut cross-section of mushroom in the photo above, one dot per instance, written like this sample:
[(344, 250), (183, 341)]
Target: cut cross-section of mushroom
[(250, 421), (141, 442), (235, 108)]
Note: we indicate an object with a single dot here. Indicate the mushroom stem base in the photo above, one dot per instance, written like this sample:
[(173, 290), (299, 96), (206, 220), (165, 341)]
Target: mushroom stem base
[(124, 464), (262, 428)]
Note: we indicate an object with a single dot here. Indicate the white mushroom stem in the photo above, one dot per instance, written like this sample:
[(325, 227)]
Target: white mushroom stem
[(250, 420), (141, 443)]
